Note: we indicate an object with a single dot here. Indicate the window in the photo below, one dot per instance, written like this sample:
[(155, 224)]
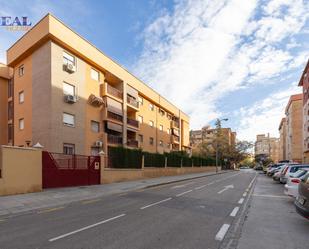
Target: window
[(10, 110), (69, 149), (168, 131), (169, 116), (168, 145), (95, 126), (21, 70), (161, 128), (140, 138), (68, 119), (162, 112), (151, 140), (21, 97), (151, 123), (161, 143), (67, 58), (151, 107), (140, 100), (10, 133), (140, 119), (68, 89), (94, 74), (10, 89), (21, 124), (95, 151)]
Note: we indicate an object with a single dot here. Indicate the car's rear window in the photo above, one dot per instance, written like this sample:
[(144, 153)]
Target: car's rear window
[(295, 168)]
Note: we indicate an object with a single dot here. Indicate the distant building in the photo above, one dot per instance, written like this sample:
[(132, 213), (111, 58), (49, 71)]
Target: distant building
[(282, 139), (268, 146), (207, 135), (294, 124), (304, 82)]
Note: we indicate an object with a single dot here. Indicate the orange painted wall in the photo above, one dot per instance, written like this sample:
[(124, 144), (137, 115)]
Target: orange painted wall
[(23, 110)]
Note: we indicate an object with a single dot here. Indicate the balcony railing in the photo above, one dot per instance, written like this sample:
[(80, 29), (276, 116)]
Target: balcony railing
[(132, 143), (175, 124), (175, 139), (113, 139), (114, 116), (132, 101), (114, 91), (133, 122)]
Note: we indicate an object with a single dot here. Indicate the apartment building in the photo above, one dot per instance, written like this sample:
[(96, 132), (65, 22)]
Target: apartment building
[(304, 83), (207, 135), (294, 128), (268, 146), (5, 103), (72, 98), (282, 139)]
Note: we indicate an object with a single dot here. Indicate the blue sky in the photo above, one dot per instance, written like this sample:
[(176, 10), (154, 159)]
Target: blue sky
[(214, 59)]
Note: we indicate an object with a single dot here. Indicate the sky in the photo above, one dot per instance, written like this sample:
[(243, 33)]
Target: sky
[(232, 59)]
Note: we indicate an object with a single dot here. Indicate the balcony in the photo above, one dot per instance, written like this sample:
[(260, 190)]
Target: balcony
[(175, 124), (114, 116), (132, 143), (175, 139), (95, 101), (133, 122), (113, 139), (107, 89), (133, 102), (175, 131)]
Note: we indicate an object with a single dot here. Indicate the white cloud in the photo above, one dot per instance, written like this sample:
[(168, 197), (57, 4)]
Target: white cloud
[(264, 116), (204, 50)]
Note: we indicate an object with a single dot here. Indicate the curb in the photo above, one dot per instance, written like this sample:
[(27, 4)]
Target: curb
[(181, 180)]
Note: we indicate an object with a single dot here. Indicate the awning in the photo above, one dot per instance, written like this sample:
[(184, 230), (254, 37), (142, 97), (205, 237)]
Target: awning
[(114, 127)]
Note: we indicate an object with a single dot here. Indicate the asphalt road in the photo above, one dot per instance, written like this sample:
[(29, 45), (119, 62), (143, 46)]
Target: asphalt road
[(190, 214)]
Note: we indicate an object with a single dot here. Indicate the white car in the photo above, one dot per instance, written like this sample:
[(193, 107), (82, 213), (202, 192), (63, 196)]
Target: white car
[(291, 187)]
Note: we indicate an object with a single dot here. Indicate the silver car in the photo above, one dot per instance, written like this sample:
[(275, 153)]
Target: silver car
[(289, 169)]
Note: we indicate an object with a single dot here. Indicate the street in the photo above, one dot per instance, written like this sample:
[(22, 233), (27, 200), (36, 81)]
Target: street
[(206, 212), (189, 214)]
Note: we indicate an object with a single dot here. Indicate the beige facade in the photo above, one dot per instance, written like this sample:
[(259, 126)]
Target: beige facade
[(294, 131), (268, 146), (74, 98), (304, 83), (207, 135), (282, 140)]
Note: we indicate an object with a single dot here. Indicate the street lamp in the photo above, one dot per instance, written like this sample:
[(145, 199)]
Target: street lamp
[(218, 126)]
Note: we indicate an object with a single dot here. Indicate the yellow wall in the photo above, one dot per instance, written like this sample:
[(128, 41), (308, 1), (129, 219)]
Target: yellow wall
[(21, 170), (118, 175)]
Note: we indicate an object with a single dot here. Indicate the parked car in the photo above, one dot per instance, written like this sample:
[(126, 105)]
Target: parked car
[(289, 169), (277, 173), (258, 167), (302, 201), (271, 170), (291, 187)]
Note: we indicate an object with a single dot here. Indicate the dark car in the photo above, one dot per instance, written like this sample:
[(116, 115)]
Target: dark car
[(258, 167), (302, 201)]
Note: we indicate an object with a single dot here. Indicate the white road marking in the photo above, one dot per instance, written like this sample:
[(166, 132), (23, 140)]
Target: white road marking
[(85, 228), (223, 230), (244, 194), (197, 188), (241, 201), (183, 193), (234, 212), (150, 205), (226, 188), (273, 196)]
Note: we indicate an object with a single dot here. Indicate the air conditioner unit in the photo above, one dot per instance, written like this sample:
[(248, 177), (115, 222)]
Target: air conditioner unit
[(70, 67), (70, 99), (98, 143)]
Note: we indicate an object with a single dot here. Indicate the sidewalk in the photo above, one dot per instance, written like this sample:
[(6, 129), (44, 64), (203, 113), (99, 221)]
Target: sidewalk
[(272, 222), (54, 197)]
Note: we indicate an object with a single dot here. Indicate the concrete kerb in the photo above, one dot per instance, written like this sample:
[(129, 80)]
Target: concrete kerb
[(182, 180)]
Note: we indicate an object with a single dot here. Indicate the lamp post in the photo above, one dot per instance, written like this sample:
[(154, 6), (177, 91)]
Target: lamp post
[(218, 127)]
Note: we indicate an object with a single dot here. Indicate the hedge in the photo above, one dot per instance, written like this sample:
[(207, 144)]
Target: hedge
[(120, 157)]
